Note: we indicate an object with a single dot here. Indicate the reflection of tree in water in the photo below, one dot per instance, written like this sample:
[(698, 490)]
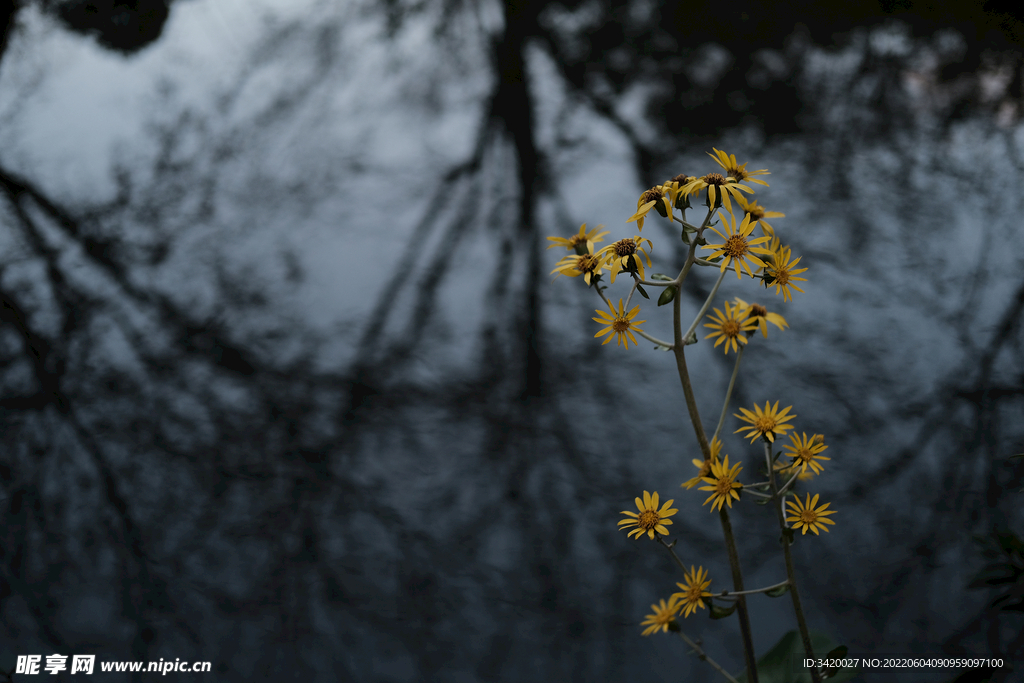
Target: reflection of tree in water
[(179, 461)]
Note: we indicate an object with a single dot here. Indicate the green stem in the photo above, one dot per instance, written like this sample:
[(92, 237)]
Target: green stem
[(805, 634), (741, 602), (650, 338), (684, 377), (707, 304), (728, 393), (702, 439), (726, 594), (704, 658), (636, 281), (670, 546)]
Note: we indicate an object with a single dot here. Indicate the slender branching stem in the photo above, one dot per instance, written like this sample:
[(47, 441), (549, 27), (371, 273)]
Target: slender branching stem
[(707, 304), (741, 601), (704, 658), (636, 281), (670, 547), (653, 339), (728, 392), (691, 405), (789, 484), (729, 594), (597, 288), (805, 634)]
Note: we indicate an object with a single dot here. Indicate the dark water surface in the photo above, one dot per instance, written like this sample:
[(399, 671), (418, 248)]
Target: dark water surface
[(285, 384)]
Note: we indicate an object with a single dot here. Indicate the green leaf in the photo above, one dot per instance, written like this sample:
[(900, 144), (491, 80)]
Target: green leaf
[(784, 662), (642, 292), (1017, 455), (667, 296), (777, 592), (662, 347), (662, 277), (787, 535), (719, 612)]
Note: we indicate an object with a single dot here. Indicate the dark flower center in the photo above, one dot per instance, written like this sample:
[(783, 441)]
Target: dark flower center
[(649, 519), (736, 246), (625, 247), (587, 263), (651, 195)]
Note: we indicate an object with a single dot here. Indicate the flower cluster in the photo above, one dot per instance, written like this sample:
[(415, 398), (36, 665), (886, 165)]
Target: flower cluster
[(748, 245)]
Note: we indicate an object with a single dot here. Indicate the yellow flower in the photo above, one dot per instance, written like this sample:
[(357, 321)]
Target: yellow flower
[(737, 170), (761, 316), (696, 580), (621, 323), (654, 197), (730, 327), (626, 255), (574, 265), (704, 466), (663, 615), (723, 484), (807, 517), (737, 246), (766, 423), (650, 519), (781, 273), (584, 238), (674, 189), (805, 452), (758, 213), (719, 189)]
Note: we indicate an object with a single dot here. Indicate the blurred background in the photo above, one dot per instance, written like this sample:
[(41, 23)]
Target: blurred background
[(285, 383)]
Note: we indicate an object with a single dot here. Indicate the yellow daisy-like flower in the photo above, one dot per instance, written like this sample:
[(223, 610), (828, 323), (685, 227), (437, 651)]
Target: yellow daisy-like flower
[(696, 580), (674, 189), (723, 484), (761, 316), (765, 423), (652, 198), (664, 615), (758, 213), (781, 273), (580, 241), (730, 327), (719, 189), (628, 255), (805, 452), (735, 169), (588, 265), (738, 247), (650, 519), (704, 466), (806, 516), (621, 323)]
